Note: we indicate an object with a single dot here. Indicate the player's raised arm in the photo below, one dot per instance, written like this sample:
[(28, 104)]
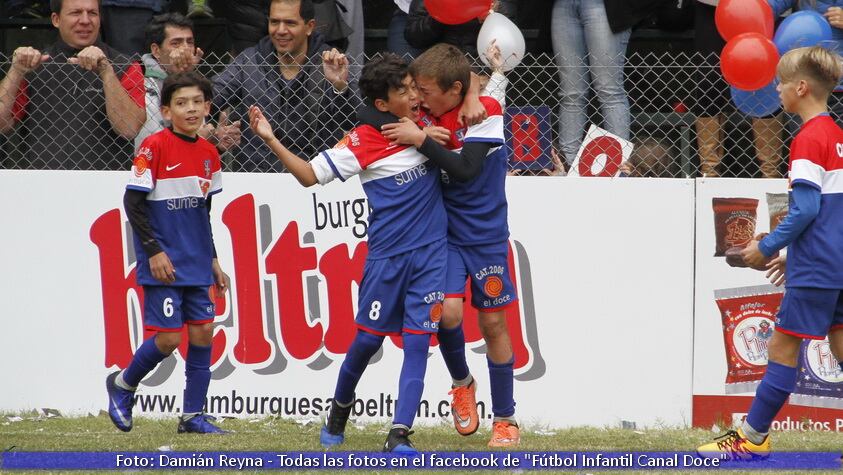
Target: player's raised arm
[(301, 169)]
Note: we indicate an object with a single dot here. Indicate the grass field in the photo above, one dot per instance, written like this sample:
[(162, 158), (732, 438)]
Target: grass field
[(38, 433)]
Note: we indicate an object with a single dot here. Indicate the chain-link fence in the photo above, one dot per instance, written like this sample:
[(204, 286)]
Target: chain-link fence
[(682, 120)]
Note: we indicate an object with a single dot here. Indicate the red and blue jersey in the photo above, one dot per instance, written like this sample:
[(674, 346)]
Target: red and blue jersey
[(477, 209), (401, 184), (178, 174), (815, 257)]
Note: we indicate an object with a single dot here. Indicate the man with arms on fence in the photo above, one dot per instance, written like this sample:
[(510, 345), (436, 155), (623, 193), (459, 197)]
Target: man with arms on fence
[(301, 85), (812, 306), (80, 101)]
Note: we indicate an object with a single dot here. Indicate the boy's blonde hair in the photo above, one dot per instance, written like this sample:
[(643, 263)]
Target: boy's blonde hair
[(444, 63), (821, 67)]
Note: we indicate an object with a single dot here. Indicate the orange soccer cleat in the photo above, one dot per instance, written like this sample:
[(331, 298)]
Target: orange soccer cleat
[(464, 408), (505, 434)]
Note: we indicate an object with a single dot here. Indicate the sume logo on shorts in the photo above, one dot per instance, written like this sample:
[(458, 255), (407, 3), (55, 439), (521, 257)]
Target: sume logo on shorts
[(142, 160), (493, 286), (436, 312)]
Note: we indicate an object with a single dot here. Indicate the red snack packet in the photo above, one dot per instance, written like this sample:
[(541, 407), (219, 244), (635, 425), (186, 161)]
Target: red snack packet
[(734, 222), (748, 315)]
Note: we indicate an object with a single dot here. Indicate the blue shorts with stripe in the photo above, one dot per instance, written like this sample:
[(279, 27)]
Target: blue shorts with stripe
[(167, 308), (404, 293), (810, 312), (487, 265)]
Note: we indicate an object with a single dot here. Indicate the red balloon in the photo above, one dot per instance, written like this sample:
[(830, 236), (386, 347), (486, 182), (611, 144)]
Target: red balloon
[(749, 61), (455, 12), (734, 17)]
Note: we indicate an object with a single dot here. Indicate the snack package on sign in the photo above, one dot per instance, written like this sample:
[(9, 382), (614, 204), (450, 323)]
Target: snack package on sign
[(820, 381), (748, 316)]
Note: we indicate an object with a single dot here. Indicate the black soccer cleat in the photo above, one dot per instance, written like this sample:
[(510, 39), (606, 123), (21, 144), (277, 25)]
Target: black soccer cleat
[(398, 440), (333, 432)]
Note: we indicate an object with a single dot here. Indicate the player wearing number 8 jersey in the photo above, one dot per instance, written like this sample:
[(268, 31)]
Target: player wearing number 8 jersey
[(475, 201), (404, 276)]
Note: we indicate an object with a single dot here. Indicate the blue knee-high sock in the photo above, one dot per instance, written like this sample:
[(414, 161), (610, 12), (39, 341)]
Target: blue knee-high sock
[(452, 347), (364, 346), (197, 374), (501, 383), (411, 383), (145, 360), (776, 385)]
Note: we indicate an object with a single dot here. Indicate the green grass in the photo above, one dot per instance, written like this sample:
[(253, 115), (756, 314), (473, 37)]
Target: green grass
[(36, 433)]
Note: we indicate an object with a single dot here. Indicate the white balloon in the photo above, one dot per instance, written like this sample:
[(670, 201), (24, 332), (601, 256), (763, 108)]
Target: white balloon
[(507, 37)]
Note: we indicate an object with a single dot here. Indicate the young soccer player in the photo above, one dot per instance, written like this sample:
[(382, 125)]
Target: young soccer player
[(812, 306), (404, 275), (168, 202), (478, 235)]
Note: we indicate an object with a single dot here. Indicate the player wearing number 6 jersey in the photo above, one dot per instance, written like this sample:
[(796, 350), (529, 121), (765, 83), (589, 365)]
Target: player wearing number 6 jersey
[(168, 201), (404, 276)]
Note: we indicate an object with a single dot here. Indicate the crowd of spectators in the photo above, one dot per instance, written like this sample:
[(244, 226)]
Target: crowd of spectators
[(87, 100)]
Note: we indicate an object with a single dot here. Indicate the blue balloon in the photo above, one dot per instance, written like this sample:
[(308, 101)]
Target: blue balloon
[(803, 28), (759, 103)]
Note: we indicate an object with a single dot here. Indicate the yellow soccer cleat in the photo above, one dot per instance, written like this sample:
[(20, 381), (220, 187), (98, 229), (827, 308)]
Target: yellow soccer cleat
[(464, 408), (505, 434), (733, 445)]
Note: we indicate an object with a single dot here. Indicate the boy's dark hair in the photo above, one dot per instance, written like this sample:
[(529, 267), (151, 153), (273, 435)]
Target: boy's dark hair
[(55, 5), (155, 30), (446, 64), (381, 74), (176, 81), (306, 9)]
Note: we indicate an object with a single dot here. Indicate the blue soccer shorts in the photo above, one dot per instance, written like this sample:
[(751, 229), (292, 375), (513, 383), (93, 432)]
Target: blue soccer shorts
[(404, 293), (487, 265), (168, 308), (809, 312)]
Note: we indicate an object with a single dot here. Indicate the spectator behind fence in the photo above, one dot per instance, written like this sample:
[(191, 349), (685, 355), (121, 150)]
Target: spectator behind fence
[(712, 100), (589, 44), (423, 31), (80, 101), (650, 158), (172, 50), (395, 40), (301, 86), (123, 23)]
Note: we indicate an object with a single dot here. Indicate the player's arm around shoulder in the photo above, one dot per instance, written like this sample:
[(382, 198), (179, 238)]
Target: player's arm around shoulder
[(300, 168)]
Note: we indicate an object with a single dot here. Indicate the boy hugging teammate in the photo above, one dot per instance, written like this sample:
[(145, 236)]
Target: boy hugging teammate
[(168, 202), (478, 233), (404, 275)]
